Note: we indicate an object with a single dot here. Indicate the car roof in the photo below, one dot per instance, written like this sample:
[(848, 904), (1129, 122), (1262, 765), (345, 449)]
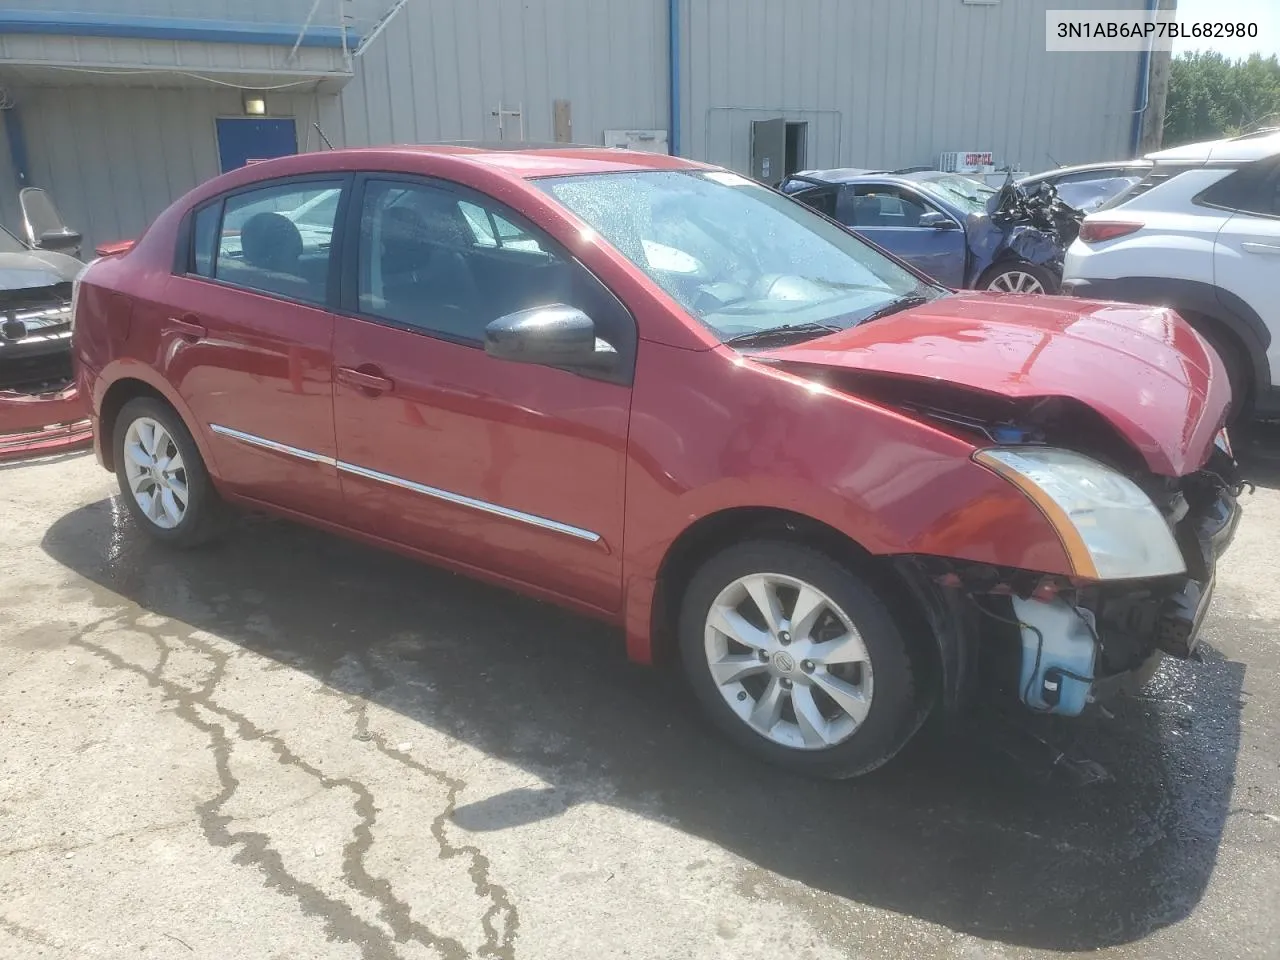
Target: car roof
[(852, 174), (1086, 167), (834, 175), (531, 160), (1242, 149)]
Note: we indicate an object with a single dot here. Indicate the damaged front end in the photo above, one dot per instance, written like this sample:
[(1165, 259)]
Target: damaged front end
[(1058, 644), (41, 411), (1104, 417)]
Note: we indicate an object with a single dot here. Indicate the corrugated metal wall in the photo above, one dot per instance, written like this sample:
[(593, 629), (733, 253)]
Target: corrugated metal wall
[(879, 82), (896, 82), (445, 65), (113, 157)]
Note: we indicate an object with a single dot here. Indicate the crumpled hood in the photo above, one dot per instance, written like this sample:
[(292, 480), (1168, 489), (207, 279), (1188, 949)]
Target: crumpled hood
[(1141, 368)]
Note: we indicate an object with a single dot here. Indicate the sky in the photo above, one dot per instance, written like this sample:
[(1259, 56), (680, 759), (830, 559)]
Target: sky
[(1265, 13)]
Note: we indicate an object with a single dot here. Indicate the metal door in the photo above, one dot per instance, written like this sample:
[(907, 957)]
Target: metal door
[(242, 140), (768, 150)]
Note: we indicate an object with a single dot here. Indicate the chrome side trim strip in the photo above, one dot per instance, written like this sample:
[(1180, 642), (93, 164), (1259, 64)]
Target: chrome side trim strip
[(482, 505), (265, 444), (455, 498)]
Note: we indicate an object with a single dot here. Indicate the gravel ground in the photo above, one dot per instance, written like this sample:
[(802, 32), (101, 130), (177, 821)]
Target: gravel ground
[(289, 746)]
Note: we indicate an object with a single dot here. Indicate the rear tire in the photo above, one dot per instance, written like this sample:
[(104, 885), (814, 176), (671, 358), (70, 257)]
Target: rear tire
[(830, 691), (162, 476), (1017, 276)]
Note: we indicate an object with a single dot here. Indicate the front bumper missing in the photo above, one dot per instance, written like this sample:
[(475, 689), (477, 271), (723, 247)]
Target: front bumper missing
[(41, 424), (1203, 539), (968, 608)]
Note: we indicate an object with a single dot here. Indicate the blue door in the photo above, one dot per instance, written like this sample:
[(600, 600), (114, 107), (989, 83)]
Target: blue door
[(242, 140)]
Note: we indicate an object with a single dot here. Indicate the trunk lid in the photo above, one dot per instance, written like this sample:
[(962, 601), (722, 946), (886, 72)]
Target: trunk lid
[(1143, 369)]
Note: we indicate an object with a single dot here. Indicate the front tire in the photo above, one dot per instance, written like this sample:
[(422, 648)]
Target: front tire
[(796, 659), (1019, 277), (162, 476)]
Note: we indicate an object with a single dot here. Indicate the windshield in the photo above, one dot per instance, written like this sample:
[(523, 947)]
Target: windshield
[(737, 256), (969, 195)]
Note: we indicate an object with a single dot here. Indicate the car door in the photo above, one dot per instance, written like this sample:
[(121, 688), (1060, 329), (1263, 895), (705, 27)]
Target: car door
[(906, 224), (509, 468), (250, 338), (1246, 257)]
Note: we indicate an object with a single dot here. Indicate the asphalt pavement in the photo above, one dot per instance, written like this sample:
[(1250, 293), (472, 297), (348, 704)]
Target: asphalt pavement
[(291, 746)]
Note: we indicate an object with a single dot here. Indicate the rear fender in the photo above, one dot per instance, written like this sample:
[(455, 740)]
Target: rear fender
[(118, 373)]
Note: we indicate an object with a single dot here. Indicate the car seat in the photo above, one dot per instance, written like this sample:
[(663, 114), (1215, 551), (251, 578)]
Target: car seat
[(271, 248), (427, 276)]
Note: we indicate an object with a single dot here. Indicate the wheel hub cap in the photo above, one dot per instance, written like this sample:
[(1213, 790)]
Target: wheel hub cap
[(156, 474), (788, 661), (1016, 281)]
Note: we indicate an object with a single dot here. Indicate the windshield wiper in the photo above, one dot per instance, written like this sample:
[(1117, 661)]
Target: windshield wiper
[(784, 332), (902, 303)]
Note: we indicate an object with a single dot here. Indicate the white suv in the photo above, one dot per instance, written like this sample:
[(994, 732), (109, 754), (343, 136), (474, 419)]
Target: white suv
[(1200, 233)]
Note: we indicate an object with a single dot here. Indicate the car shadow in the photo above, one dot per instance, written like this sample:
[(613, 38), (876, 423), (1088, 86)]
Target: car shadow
[(1257, 446), (954, 832)]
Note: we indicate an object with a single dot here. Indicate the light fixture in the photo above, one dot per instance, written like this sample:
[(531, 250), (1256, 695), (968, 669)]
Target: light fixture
[(255, 105)]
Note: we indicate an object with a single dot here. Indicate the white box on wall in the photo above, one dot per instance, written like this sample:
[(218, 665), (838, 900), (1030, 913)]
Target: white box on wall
[(650, 141)]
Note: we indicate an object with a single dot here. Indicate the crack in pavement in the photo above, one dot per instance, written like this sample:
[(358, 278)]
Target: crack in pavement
[(19, 932), (501, 921), (54, 846), (341, 922), (1260, 814)]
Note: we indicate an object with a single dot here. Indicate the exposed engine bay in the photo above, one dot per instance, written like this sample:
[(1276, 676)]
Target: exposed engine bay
[(1039, 207), (1034, 225)]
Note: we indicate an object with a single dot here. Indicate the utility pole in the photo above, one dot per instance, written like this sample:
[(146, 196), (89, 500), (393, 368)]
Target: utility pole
[(1158, 94)]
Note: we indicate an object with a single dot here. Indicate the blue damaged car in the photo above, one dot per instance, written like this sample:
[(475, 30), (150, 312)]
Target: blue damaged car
[(959, 231)]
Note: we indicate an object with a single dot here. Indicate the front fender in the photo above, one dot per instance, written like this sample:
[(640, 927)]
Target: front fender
[(890, 484)]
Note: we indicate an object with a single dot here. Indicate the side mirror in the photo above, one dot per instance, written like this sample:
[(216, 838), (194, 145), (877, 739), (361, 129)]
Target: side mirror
[(936, 221), (63, 240), (556, 335)]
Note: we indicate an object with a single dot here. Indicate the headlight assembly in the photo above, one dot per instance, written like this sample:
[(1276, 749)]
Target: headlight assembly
[(1110, 529)]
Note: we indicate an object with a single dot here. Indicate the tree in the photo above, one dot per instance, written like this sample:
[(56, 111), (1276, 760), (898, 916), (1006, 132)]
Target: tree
[(1212, 97)]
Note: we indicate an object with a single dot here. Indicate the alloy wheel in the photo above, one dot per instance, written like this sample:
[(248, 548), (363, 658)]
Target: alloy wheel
[(1016, 281), (156, 474), (788, 661)]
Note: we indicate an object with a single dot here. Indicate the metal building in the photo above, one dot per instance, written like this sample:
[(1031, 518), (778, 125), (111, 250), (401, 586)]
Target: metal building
[(117, 107)]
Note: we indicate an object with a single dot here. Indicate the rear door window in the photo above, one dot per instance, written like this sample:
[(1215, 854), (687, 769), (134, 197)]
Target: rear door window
[(205, 238), (1253, 189), (1159, 174), (276, 239)]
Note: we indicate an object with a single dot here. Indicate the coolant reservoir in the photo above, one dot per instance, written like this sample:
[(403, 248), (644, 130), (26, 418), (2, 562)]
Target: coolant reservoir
[(1059, 654)]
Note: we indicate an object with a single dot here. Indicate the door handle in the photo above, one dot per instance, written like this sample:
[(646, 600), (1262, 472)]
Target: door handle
[(1254, 247), (371, 383), (188, 326)]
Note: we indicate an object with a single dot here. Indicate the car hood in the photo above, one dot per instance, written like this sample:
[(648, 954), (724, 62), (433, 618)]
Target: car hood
[(1141, 368), (36, 268)]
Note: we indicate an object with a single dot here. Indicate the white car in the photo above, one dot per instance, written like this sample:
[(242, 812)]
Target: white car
[(1200, 233)]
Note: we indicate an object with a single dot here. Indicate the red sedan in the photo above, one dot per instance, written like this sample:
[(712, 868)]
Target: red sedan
[(664, 395)]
